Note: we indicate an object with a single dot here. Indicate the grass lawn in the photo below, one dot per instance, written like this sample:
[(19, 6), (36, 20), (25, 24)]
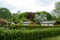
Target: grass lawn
[(52, 38)]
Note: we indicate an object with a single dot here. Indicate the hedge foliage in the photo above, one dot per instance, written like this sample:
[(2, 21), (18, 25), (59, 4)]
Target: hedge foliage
[(28, 34), (30, 26)]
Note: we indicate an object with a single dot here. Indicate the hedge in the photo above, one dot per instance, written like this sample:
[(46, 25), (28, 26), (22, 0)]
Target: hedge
[(28, 34), (31, 27)]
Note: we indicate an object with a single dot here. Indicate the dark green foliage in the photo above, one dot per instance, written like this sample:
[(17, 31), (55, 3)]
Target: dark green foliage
[(5, 13), (38, 13), (15, 17), (23, 14), (31, 16), (27, 34), (48, 15)]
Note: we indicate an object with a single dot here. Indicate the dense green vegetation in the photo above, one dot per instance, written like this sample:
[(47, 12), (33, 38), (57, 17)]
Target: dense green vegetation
[(28, 34), (12, 27), (5, 13), (26, 16), (31, 16)]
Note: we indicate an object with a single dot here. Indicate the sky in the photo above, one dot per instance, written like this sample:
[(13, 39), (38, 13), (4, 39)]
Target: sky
[(28, 5)]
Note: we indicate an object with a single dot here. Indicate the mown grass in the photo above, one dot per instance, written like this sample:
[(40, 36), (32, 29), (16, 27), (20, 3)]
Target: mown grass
[(52, 38)]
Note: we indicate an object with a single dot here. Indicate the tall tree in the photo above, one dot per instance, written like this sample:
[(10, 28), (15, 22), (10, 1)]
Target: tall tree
[(48, 15), (42, 16), (31, 16), (56, 11), (23, 15), (5, 13), (15, 17), (44, 13), (38, 13)]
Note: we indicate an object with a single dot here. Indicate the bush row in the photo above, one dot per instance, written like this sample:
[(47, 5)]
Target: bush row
[(27, 34), (15, 26), (30, 26)]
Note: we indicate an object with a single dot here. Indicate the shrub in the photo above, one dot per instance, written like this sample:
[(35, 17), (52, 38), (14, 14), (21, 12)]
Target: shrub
[(15, 26), (31, 26), (1, 25), (12, 25), (27, 34)]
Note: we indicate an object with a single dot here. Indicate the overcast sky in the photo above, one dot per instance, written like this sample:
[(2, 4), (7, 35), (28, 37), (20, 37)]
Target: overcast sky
[(28, 5)]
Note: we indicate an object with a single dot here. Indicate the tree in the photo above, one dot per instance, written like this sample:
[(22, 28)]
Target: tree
[(48, 15), (31, 16), (43, 16), (56, 11), (44, 13), (38, 13), (5, 13), (38, 18), (27, 16), (15, 17), (22, 16)]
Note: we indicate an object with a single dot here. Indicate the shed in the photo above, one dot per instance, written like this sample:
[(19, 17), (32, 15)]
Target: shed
[(47, 23), (26, 23)]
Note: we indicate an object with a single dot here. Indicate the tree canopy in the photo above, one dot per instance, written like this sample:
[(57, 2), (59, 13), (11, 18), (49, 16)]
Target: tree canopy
[(42, 16), (56, 11), (43, 13), (5, 13)]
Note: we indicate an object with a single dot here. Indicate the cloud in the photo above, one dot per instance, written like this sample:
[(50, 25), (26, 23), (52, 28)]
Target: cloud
[(23, 5), (29, 5), (45, 2)]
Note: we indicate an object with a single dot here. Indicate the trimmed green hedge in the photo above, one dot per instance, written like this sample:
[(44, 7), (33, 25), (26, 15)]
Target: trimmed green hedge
[(30, 26), (28, 34)]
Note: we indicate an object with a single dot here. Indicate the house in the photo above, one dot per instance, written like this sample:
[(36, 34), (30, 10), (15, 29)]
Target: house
[(47, 23), (26, 23)]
